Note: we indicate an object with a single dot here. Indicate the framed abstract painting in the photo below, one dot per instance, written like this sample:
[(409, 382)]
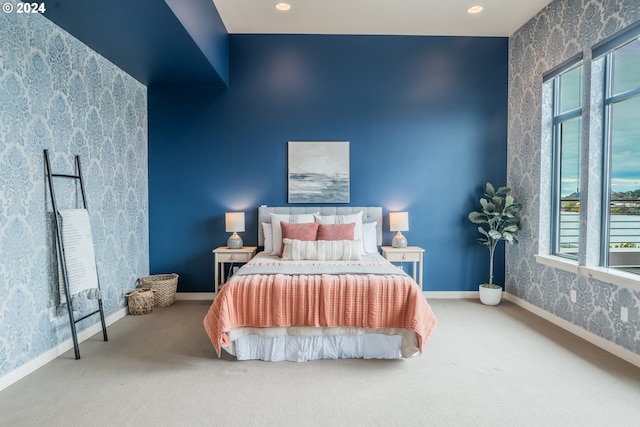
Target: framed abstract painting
[(318, 172)]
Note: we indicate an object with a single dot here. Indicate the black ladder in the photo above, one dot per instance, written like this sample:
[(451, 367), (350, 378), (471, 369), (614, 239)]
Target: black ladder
[(63, 266)]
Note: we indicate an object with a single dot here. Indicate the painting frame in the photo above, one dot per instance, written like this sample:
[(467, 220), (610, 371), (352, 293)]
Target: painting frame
[(318, 172)]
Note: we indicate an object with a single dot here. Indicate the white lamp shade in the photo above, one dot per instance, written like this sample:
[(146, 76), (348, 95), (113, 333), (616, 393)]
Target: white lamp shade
[(234, 221), (399, 221)]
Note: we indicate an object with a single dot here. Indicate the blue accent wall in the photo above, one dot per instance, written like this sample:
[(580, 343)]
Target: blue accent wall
[(426, 118)]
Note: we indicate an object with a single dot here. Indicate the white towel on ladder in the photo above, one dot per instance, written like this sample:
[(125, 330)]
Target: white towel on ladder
[(77, 244)]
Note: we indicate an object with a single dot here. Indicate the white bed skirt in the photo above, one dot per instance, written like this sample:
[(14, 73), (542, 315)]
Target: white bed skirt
[(302, 344)]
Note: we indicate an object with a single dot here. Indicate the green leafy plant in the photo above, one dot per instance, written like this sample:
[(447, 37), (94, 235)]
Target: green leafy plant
[(498, 221), (626, 245)]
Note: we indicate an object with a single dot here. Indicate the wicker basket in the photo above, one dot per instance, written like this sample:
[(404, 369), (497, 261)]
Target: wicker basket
[(140, 301), (164, 285)]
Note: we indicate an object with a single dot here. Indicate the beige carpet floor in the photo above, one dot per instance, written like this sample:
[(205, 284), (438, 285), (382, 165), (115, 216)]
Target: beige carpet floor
[(483, 366)]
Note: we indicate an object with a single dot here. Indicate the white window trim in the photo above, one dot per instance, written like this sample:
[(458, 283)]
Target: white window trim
[(613, 275), (559, 262), (608, 275)]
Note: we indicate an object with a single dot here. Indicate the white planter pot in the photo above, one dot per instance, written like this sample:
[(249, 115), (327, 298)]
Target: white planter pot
[(489, 296)]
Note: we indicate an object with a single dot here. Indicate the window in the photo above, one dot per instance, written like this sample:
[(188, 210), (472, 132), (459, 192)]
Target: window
[(565, 181), (596, 233), (621, 172)]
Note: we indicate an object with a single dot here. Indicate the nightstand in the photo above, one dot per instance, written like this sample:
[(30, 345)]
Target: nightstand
[(409, 254), (224, 255)]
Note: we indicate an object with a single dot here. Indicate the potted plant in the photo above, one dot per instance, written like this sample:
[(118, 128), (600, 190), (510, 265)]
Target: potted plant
[(498, 221)]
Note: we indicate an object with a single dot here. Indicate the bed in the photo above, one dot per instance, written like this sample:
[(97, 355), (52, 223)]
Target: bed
[(326, 295)]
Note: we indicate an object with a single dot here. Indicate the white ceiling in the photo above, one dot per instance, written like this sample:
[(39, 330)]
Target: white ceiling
[(387, 17)]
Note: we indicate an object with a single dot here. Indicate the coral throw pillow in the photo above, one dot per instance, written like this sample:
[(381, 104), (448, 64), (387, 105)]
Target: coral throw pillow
[(307, 231), (336, 231)]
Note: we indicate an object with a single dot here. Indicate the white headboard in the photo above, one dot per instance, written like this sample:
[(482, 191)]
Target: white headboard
[(369, 214)]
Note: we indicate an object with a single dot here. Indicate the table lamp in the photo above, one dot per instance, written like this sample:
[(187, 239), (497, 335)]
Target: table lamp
[(399, 221), (234, 222)]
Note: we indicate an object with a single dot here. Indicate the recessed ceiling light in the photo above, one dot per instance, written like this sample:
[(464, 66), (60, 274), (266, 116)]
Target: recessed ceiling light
[(283, 6), (475, 9)]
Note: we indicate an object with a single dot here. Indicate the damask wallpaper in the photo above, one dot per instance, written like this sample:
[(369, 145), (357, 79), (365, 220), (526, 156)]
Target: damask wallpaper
[(57, 94), (559, 32)]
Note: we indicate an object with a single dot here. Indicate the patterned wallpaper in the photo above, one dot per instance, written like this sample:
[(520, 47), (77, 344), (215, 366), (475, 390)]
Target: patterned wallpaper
[(557, 33), (56, 93)]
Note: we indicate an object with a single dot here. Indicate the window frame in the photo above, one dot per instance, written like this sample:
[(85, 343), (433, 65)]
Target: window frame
[(557, 120), (606, 50)]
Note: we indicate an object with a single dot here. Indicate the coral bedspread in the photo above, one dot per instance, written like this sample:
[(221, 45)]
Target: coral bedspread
[(319, 300)]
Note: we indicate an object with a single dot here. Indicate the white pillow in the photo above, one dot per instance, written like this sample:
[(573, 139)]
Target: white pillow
[(345, 219), (276, 229), (268, 237), (370, 237), (321, 250)]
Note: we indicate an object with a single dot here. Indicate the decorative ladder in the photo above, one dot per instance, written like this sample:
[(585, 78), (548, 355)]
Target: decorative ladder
[(63, 265)]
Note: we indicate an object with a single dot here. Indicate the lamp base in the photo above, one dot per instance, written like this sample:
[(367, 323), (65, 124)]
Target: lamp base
[(399, 241), (235, 241)]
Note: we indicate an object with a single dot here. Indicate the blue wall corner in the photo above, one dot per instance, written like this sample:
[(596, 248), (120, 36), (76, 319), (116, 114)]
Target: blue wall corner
[(159, 43), (426, 118), (203, 23)]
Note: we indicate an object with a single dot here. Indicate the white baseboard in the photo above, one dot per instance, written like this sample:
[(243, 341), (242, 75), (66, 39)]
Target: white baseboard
[(594, 339), (195, 296), (24, 370), (451, 294)]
